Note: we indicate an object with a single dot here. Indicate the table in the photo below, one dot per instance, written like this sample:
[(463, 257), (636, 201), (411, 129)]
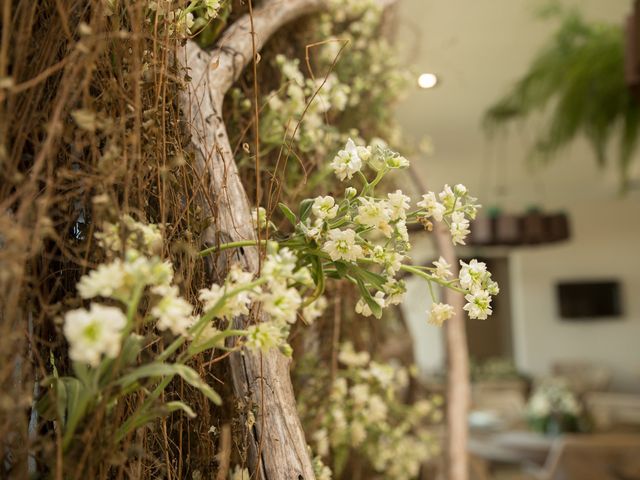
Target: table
[(514, 447)]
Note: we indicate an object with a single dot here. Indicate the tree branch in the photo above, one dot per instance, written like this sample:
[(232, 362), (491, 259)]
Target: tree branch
[(277, 445)]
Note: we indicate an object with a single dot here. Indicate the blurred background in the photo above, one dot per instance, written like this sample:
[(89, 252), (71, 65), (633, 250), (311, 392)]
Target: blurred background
[(560, 230)]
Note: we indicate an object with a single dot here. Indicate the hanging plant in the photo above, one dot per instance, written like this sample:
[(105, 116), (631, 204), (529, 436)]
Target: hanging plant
[(577, 82)]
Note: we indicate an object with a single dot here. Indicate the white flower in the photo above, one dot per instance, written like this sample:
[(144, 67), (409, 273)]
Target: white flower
[(359, 393), (314, 310), (172, 311), (94, 332), (141, 270), (347, 161), (358, 433), (321, 439), (362, 307), (325, 207), (402, 232), (442, 269), (447, 197), (350, 193), (375, 214), (265, 336), (377, 409), (432, 207), (278, 267), (396, 161), (349, 357), (473, 274), (479, 304), (312, 232), (212, 7), (104, 281), (398, 203), (342, 245), (281, 303), (396, 290), (459, 228), (440, 313), (460, 190), (233, 306), (259, 218)]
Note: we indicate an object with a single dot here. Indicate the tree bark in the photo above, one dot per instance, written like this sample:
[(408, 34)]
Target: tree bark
[(277, 445)]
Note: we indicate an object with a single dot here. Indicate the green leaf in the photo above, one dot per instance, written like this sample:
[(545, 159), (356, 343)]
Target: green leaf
[(73, 399), (177, 405), (305, 208), (376, 309), (376, 280), (188, 374), (342, 268), (288, 213), (199, 346)]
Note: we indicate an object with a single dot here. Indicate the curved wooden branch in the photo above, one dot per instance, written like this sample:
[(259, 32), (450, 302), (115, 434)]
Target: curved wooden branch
[(277, 445)]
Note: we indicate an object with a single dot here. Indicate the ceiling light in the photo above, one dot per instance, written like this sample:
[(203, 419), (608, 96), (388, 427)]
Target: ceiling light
[(427, 80)]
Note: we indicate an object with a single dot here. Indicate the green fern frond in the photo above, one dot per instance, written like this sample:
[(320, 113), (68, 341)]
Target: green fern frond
[(578, 82)]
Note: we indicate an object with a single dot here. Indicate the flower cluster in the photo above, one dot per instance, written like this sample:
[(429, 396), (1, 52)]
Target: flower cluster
[(454, 206), (552, 397), (297, 111), (364, 238), (357, 24), (364, 412), (188, 20)]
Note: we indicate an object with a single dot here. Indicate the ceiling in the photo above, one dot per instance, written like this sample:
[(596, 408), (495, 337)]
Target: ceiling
[(479, 48)]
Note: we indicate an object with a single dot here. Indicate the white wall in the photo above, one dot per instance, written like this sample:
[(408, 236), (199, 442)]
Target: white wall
[(605, 244)]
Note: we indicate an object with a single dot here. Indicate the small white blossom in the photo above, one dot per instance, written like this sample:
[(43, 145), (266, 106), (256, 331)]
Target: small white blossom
[(259, 218), (431, 206), (440, 313), (402, 232), (479, 304), (94, 332), (325, 207), (377, 409), (349, 357), (358, 433), (442, 269), (359, 394), (447, 197), (314, 310), (342, 245), (278, 267), (375, 214), (459, 228), (281, 303), (104, 281), (172, 311), (473, 275), (347, 161), (398, 203), (396, 290), (396, 161), (313, 232), (265, 336), (362, 307)]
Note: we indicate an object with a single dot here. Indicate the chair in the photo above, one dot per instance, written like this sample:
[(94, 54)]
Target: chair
[(613, 411), (583, 376), (593, 457)]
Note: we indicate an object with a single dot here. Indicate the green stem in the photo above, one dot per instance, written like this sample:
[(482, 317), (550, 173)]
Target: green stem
[(227, 246), (431, 278)]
